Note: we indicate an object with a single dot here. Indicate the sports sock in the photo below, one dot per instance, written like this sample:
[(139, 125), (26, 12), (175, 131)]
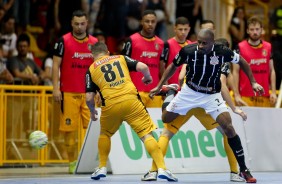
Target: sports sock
[(153, 149), (230, 156), (70, 145), (236, 146), (104, 146), (163, 144)]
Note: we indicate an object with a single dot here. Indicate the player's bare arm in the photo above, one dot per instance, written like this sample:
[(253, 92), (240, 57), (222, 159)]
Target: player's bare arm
[(170, 70), (91, 105), (57, 95), (226, 96), (273, 96), (143, 68)]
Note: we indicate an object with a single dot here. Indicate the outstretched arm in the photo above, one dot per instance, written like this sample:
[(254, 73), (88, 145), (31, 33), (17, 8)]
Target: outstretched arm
[(226, 96), (170, 70)]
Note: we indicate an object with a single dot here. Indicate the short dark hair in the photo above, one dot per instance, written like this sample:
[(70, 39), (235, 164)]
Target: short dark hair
[(23, 38), (181, 20), (78, 13), (147, 12), (98, 48), (222, 41), (254, 20), (206, 21)]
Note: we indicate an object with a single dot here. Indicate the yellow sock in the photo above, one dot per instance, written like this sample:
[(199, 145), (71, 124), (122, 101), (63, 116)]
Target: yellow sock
[(104, 146), (70, 145), (153, 149), (163, 144), (230, 156)]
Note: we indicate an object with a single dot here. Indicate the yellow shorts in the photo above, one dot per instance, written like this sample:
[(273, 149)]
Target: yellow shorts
[(257, 101), (73, 111), (206, 120), (132, 111), (157, 101)]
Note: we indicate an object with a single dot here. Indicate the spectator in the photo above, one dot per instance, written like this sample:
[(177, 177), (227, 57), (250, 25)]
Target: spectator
[(2, 13), (8, 36), (21, 111), (237, 28), (257, 53), (5, 75), (6, 5), (22, 66), (146, 47)]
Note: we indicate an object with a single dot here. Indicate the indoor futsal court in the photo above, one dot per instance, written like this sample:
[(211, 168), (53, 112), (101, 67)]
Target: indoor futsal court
[(58, 175)]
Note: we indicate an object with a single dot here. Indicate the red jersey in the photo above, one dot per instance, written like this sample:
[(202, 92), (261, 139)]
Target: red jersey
[(149, 52), (76, 60), (258, 58), (171, 49)]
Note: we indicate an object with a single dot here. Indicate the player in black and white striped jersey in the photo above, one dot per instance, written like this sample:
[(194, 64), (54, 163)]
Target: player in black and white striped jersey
[(202, 88)]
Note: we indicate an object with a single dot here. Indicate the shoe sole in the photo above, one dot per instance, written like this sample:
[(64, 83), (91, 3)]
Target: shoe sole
[(98, 177), (167, 178), (238, 180), (149, 180)]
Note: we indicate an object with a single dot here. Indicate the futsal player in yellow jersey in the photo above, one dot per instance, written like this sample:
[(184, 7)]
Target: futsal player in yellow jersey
[(110, 76)]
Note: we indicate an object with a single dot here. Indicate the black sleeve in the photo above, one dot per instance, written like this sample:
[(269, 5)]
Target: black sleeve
[(165, 52), (228, 54), (182, 57), (131, 63), (58, 49), (127, 47), (90, 85)]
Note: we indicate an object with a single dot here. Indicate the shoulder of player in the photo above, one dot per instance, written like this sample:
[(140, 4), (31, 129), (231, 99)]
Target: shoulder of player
[(190, 47), (93, 38), (220, 48)]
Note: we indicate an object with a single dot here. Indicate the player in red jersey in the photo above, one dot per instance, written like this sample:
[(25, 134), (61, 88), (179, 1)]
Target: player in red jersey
[(257, 53), (146, 47), (72, 58)]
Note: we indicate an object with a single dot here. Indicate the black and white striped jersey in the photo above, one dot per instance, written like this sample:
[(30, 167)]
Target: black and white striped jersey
[(203, 70)]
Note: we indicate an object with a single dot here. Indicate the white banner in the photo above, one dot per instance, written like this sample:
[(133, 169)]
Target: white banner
[(194, 149)]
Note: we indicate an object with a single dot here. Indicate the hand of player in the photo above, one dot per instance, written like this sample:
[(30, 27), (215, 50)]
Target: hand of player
[(153, 92), (257, 88), (94, 115), (273, 98), (147, 79), (57, 95), (241, 113), (239, 101)]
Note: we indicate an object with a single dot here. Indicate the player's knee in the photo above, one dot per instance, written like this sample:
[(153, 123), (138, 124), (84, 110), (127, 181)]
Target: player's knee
[(229, 130), (69, 139), (168, 117)]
